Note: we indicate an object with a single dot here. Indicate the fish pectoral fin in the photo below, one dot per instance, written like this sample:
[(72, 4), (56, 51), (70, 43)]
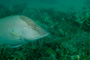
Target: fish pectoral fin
[(16, 35)]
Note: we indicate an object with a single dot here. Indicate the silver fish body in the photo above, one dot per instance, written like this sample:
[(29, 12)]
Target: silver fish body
[(15, 30)]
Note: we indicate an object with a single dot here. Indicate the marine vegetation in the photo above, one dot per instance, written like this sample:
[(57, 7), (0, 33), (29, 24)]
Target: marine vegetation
[(69, 37)]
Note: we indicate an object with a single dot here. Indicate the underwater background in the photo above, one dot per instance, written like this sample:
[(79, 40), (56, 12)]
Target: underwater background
[(67, 21)]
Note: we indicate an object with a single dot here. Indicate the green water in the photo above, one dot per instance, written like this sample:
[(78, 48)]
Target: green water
[(67, 21)]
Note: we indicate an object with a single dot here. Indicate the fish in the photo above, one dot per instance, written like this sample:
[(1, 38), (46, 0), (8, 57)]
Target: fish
[(17, 30)]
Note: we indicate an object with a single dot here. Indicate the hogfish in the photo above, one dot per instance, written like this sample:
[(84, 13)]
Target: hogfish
[(18, 29)]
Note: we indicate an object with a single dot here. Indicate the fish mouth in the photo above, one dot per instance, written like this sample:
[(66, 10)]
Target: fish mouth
[(41, 36), (36, 38)]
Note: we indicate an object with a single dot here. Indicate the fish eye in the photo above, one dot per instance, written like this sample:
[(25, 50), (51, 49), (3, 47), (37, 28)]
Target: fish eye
[(34, 27)]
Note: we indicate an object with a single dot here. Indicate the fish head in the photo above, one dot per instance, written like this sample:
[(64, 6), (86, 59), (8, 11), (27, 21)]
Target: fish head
[(32, 31)]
